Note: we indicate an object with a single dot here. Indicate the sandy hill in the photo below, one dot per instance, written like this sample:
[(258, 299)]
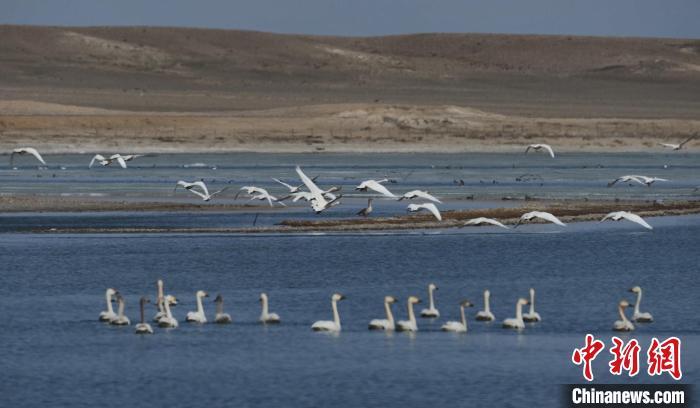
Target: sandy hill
[(176, 77)]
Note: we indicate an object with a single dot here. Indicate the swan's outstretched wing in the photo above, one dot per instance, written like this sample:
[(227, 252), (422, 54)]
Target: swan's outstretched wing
[(484, 220), (426, 206), (421, 194), (30, 150), (669, 145), (612, 216), (686, 141), (549, 149), (635, 218), (201, 185), (97, 157), (379, 188), (290, 187), (205, 197), (549, 217), (118, 157)]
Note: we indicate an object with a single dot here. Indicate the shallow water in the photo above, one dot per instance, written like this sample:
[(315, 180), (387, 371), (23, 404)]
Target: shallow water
[(56, 353)]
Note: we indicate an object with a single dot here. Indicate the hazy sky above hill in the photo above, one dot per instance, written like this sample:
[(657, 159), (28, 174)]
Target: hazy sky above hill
[(648, 18)]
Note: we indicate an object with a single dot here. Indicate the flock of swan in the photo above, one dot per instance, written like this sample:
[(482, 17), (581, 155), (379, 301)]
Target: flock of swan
[(321, 199), (164, 317)]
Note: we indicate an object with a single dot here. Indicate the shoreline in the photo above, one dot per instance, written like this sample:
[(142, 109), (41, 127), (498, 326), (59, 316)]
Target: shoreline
[(569, 211)]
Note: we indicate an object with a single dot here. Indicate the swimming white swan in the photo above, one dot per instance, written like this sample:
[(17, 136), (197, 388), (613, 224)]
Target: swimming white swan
[(121, 319), (265, 316), (459, 327), (486, 315), (108, 314), (388, 323), (539, 214), (367, 210), (623, 324), (376, 185), (539, 146), (410, 324), (21, 151), (330, 325), (319, 200), (532, 316), (198, 316), (637, 316), (517, 321), (221, 317), (425, 206), (431, 311), (677, 146), (168, 320), (159, 301), (421, 194), (484, 220), (143, 327), (626, 215)]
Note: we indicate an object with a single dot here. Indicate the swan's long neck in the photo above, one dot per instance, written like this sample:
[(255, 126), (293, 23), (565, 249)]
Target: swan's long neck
[(121, 308), (411, 315), (336, 316), (220, 307), (622, 314), (487, 305), (160, 296), (639, 300), (532, 302), (143, 320), (389, 315), (200, 307), (166, 307), (519, 311), (265, 307), (464, 318), (108, 297), (430, 296)]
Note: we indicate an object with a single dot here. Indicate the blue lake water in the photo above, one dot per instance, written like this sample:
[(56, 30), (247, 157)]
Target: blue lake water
[(56, 353)]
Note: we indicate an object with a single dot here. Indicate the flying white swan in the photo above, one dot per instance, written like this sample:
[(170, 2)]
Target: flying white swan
[(367, 210), (269, 197), (539, 146), (626, 215), (168, 320), (221, 317), (623, 324), (649, 180), (532, 316), (319, 201), (409, 325), (539, 214), (677, 146), (108, 314), (484, 220), (486, 315), (638, 316), (425, 206), (265, 316), (375, 185), (203, 194), (143, 327), (118, 157), (198, 316), (431, 311), (388, 323), (258, 193), (421, 194), (121, 319), (459, 327), (517, 321), (21, 151), (625, 179), (330, 325), (101, 160)]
